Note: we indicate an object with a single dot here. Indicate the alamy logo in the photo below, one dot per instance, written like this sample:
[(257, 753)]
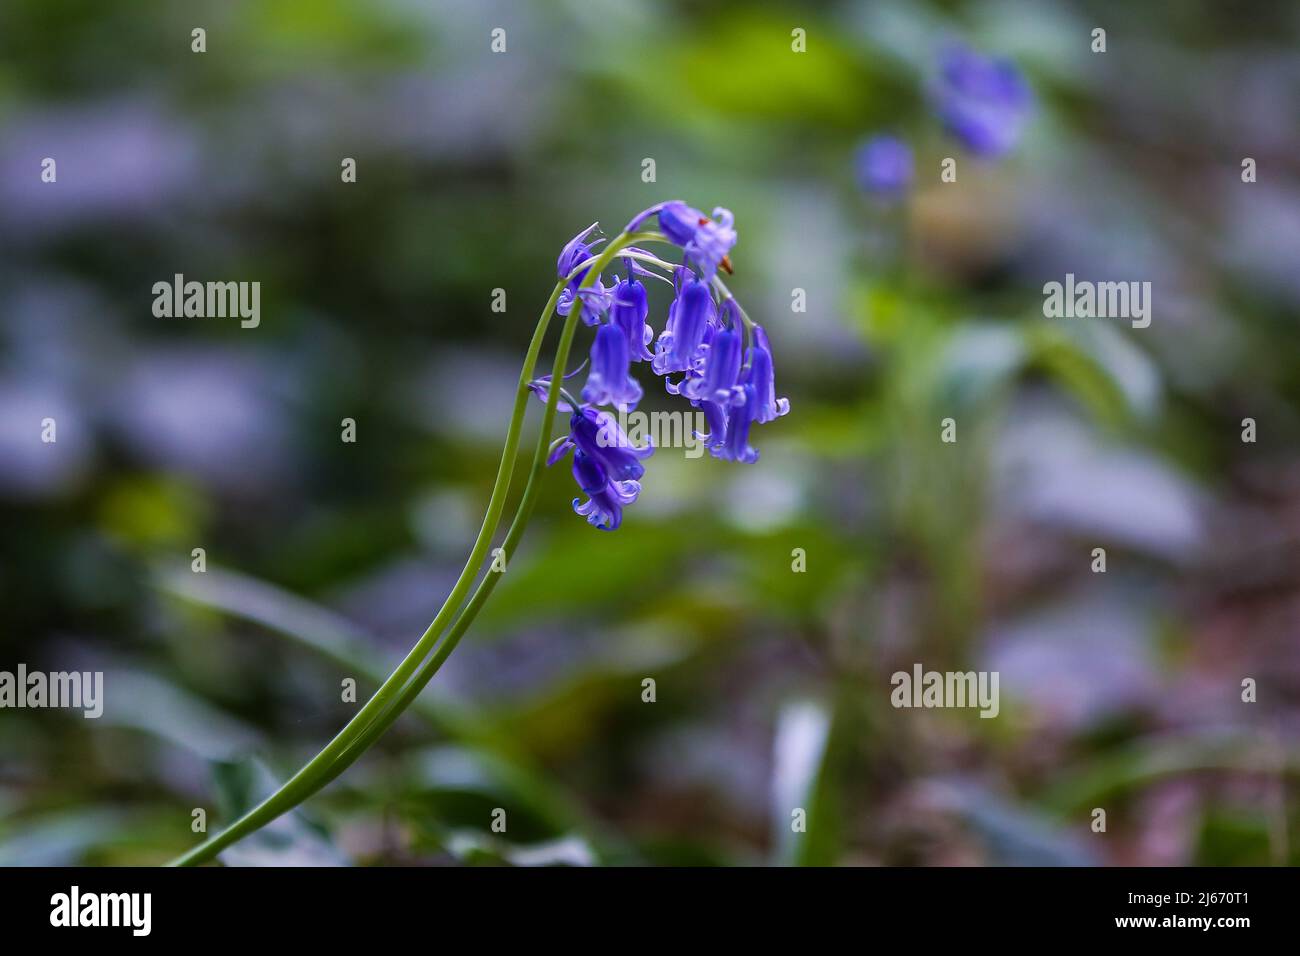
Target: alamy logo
[(661, 429), (1098, 300), (69, 689), (211, 300), (103, 909), (922, 688)]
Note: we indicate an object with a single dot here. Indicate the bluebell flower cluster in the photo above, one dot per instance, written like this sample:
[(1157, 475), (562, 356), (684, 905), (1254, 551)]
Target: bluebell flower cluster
[(983, 102), (708, 351)]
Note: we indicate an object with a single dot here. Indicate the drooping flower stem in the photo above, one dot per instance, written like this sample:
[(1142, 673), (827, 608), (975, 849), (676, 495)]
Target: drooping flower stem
[(397, 692), (517, 525)]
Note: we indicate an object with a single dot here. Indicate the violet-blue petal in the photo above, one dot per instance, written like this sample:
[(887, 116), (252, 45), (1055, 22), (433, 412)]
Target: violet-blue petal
[(628, 310), (761, 375), (598, 435), (690, 317), (609, 381), (736, 446)]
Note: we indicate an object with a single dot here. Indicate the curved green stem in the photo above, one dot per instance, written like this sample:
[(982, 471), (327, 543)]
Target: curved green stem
[(394, 695), (484, 590), (300, 786)]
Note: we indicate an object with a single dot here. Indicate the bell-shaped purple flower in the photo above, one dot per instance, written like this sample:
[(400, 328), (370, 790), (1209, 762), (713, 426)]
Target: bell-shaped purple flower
[(606, 498), (628, 310), (575, 252), (984, 102), (715, 416), (718, 384), (595, 298), (609, 381), (714, 386), (884, 166), (689, 318), (706, 240), (679, 222), (597, 434), (735, 446), (761, 376)]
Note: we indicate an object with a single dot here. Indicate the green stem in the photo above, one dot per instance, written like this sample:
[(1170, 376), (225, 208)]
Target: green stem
[(522, 514), (301, 785), (394, 695), (489, 582)]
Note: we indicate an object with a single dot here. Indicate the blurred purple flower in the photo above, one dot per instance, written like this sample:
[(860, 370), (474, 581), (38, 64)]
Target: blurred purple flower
[(113, 159), (982, 101), (884, 166)]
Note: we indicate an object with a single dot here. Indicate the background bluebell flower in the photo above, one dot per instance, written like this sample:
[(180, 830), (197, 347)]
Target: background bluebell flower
[(982, 101), (609, 381), (885, 165)]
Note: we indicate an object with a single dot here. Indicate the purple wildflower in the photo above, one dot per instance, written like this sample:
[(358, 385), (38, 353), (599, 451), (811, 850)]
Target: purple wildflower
[(597, 435), (761, 376), (706, 241), (628, 311), (606, 499), (595, 298), (884, 166), (703, 339), (689, 317), (609, 382), (735, 446), (983, 101)]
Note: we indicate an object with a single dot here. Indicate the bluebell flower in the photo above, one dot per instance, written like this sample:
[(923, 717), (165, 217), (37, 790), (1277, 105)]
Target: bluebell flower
[(606, 498), (701, 351), (575, 252), (689, 318), (735, 445), (595, 298), (884, 166), (718, 381), (716, 388), (598, 436), (628, 311), (760, 374), (984, 102), (706, 241), (609, 382)]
